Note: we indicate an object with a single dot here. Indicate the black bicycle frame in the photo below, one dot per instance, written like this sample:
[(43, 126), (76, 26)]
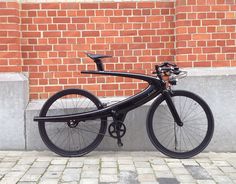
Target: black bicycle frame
[(119, 109)]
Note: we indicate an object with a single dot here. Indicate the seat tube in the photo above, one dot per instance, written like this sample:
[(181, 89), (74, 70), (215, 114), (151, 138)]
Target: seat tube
[(172, 108)]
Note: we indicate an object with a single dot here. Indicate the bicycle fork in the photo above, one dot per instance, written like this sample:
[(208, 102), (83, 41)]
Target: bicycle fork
[(172, 108)]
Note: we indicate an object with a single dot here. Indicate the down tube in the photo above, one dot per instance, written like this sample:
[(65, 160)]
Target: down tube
[(138, 99)]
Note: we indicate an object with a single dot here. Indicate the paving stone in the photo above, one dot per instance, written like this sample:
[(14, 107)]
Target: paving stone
[(146, 177), (206, 182), (108, 159), (167, 181), (92, 161), (108, 178), (142, 164), (49, 181), (89, 174), (179, 170), (88, 181), (185, 178), (198, 172), (91, 167), (54, 168), (164, 174), (59, 161), (74, 164), (144, 170), (157, 161), (40, 164), (36, 171), (7, 164), (125, 162), (69, 177), (126, 168), (160, 167), (26, 161), (228, 169), (52, 175), (222, 179), (109, 164), (30, 177), (128, 177), (20, 167), (220, 163), (108, 170)]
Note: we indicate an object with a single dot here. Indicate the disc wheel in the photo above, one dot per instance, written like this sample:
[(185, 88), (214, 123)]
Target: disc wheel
[(180, 141), (73, 137)]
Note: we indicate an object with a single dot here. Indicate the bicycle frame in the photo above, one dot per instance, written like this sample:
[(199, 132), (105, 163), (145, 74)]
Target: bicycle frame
[(119, 109)]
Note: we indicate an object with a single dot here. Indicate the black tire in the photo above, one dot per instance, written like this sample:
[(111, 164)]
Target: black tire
[(159, 117), (71, 134)]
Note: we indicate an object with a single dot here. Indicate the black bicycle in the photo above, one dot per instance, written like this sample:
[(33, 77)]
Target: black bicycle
[(179, 123)]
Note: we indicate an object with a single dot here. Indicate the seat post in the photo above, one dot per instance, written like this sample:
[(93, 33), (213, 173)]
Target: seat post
[(99, 64)]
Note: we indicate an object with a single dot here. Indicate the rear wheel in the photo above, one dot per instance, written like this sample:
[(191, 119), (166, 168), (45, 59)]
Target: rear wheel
[(180, 141), (72, 138)]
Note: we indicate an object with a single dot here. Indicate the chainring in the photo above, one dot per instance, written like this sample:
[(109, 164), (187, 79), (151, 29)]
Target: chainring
[(114, 127)]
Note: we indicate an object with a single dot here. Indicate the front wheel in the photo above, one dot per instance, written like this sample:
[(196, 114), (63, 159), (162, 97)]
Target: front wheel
[(180, 141)]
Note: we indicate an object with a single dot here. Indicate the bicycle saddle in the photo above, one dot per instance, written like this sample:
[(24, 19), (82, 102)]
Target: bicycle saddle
[(97, 56)]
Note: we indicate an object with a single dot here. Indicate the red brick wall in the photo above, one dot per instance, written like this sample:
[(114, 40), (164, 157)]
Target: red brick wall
[(206, 33), (10, 56), (48, 40), (56, 35)]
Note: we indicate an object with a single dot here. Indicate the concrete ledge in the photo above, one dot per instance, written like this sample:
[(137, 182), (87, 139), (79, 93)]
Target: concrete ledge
[(14, 99), (216, 86)]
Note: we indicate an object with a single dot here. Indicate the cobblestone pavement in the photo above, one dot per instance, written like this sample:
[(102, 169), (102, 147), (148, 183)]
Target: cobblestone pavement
[(115, 167)]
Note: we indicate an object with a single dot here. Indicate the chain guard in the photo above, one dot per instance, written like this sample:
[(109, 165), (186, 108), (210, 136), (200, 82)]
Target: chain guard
[(114, 127)]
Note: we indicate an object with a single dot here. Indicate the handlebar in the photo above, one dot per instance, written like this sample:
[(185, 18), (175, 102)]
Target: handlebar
[(167, 69)]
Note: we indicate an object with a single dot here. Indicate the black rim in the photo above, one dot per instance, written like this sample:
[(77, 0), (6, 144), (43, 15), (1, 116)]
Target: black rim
[(181, 141), (71, 137)]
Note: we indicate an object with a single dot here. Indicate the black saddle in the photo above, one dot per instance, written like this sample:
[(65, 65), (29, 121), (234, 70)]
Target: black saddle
[(97, 56)]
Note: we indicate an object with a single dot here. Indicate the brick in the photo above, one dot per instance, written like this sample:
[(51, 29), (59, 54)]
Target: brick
[(90, 33), (8, 12), (49, 6), (201, 8), (146, 32), (155, 18), (220, 8), (201, 36), (137, 46), (99, 19), (128, 33), (220, 36), (71, 34), (61, 20), (30, 6), (42, 20), (228, 22), (109, 5), (89, 5), (52, 34), (136, 19), (146, 4), (70, 5), (118, 19), (229, 49), (119, 46), (43, 48), (211, 50), (109, 33), (210, 22), (127, 5)]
